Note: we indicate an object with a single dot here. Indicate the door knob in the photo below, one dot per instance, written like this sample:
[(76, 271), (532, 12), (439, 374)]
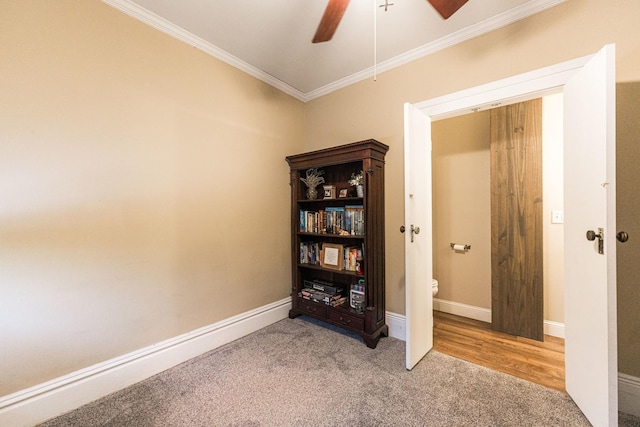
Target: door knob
[(402, 228), (622, 236), (592, 235)]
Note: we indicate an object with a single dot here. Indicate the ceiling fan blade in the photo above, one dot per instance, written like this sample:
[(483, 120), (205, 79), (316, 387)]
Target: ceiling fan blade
[(446, 8), (330, 20)]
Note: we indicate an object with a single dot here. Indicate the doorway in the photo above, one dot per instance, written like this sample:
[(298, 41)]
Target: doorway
[(462, 214), (588, 85)]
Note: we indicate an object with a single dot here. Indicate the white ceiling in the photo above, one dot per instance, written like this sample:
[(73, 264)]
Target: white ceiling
[(271, 39)]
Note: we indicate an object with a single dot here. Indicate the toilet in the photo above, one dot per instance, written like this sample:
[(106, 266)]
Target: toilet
[(434, 287)]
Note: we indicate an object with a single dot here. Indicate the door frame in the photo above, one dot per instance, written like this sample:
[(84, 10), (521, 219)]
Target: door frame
[(534, 84), (538, 83)]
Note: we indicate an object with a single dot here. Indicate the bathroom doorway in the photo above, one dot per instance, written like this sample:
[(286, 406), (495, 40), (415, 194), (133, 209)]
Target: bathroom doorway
[(461, 162), (588, 87)]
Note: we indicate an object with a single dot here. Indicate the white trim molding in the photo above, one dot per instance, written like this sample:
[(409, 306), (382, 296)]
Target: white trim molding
[(495, 22), (397, 328), (464, 310), (537, 83), (629, 394), (397, 325), (510, 16), (143, 15), (55, 397), (554, 329)]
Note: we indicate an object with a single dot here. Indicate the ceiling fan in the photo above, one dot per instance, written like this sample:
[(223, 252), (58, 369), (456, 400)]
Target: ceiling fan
[(335, 9)]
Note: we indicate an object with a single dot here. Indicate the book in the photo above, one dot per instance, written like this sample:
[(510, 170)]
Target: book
[(310, 253), (335, 219), (354, 219)]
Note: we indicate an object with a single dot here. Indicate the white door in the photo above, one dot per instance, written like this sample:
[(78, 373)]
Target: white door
[(589, 162), (589, 204), (418, 234)]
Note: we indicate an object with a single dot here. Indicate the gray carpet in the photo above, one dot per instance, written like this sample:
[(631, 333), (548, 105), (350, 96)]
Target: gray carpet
[(302, 373)]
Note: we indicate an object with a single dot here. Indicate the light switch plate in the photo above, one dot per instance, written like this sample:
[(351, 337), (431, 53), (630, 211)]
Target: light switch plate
[(557, 217)]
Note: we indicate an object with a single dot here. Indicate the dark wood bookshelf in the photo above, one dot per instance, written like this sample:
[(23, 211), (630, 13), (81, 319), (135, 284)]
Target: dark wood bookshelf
[(338, 165)]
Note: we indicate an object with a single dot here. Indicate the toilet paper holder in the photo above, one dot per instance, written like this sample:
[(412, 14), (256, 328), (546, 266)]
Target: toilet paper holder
[(458, 247)]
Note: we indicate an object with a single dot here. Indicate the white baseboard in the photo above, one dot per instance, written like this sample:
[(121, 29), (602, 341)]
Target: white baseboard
[(464, 310), (55, 397), (629, 394), (551, 328), (554, 329), (396, 323)]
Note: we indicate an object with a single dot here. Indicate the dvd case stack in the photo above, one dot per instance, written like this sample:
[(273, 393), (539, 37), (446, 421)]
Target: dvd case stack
[(323, 292)]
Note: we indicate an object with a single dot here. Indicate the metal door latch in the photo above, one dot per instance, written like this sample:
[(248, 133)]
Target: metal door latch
[(592, 235), (414, 230)]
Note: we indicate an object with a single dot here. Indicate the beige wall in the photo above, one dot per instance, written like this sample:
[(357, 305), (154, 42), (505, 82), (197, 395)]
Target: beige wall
[(462, 208), (374, 109), (628, 209), (553, 199), (124, 219), (143, 188)]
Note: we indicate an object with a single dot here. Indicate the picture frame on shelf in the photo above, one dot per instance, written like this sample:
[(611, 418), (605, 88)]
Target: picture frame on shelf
[(344, 192), (332, 256), (329, 191)]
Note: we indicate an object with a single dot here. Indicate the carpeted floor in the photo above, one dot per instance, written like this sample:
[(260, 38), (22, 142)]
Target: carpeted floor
[(302, 373)]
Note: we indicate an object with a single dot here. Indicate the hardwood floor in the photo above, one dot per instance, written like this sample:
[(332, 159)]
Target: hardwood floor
[(474, 341)]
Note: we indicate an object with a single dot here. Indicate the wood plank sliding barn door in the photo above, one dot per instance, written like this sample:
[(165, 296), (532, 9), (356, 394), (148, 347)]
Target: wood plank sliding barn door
[(516, 219)]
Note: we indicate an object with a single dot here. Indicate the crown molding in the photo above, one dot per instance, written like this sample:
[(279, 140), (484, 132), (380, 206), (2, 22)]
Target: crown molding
[(495, 22), (171, 29), (501, 20)]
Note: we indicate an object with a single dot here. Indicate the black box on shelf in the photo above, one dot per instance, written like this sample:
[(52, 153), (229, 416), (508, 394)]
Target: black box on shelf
[(325, 287)]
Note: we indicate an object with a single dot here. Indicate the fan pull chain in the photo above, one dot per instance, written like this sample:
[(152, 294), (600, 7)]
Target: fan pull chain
[(375, 34), (375, 40)]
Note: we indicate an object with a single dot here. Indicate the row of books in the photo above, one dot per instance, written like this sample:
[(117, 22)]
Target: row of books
[(310, 253), (350, 256), (347, 220), (315, 295)]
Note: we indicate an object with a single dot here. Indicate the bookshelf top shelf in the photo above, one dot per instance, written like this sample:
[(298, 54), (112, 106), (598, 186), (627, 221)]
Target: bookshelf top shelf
[(356, 151)]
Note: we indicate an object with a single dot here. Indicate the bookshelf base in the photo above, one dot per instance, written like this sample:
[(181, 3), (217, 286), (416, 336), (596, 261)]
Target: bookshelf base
[(343, 317)]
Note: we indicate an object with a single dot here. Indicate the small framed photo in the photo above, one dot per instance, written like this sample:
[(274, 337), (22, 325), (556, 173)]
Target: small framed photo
[(332, 256), (344, 192), (329, 191)]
